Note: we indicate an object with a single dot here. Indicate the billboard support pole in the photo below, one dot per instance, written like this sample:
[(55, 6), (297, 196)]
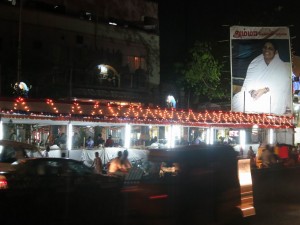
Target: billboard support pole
[(244, 102), (270, 104)]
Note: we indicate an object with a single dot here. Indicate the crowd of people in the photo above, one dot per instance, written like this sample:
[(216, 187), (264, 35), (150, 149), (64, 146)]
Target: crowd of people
[(118, 166), (100, 142), (271, 156)]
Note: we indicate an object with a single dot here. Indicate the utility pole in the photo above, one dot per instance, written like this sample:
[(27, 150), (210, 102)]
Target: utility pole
[(19, 68)]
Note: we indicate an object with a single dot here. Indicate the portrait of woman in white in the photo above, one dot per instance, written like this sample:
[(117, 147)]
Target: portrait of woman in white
[(267, 85)]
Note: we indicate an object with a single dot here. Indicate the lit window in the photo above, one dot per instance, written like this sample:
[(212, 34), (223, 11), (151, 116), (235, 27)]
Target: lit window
[(136, 62), (109, 74)]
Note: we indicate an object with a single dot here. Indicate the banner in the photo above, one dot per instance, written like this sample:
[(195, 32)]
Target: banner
[(261, 70)]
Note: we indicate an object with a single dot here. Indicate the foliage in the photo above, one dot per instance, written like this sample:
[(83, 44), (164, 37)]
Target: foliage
[(201, 75)]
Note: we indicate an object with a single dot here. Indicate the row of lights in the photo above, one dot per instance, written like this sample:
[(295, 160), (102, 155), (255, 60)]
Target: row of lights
[(90, 111)]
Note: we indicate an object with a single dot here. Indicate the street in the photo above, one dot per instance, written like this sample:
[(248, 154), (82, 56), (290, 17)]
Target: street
[(276, 196), (276, 213)]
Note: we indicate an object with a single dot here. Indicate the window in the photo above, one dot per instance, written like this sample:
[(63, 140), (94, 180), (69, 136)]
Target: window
[(135, 63), (108, 75)]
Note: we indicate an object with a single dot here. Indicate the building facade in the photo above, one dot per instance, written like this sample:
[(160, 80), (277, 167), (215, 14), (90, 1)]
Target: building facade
[(68, 50), (62, 55)]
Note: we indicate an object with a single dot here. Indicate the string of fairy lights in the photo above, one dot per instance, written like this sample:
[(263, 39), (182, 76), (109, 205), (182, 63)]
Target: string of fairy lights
[(104, 112)]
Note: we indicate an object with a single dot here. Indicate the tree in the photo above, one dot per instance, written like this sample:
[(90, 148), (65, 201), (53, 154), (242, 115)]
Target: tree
[(201, 75)]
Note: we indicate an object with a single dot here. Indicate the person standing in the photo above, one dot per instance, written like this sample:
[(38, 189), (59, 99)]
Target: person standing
[(13, 135), (251, 155), (115, 165), (267, 157), (241, 152), (97, 164), (125, 163)]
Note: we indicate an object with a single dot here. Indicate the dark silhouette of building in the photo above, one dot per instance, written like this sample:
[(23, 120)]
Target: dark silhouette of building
[(81, 49)]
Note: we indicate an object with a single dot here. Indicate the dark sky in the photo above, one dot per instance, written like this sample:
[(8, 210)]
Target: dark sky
[(184, 22)]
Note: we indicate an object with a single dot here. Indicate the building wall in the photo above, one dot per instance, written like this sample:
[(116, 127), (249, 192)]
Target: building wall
[(133, 10), (64, 50)]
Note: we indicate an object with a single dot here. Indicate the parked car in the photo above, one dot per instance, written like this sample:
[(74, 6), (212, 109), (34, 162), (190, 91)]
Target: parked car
[(11, 151), (195, 184), (60, 189)]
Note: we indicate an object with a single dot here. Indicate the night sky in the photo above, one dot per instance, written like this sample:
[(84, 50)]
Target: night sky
[(184, 22)]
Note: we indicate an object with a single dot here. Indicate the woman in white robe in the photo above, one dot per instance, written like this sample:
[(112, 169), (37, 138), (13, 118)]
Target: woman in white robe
[(267, 86)]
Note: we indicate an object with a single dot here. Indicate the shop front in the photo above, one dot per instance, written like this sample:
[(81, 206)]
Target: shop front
[(60, 126)]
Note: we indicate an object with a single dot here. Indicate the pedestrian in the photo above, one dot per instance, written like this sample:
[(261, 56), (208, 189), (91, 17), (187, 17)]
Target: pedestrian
[(115, 166), (268, 157), (241, 152), (251, 155), (97, 164), (125, 163), (13, 135)]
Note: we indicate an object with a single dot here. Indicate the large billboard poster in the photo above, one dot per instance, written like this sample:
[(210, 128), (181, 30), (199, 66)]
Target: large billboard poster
[(261, 70)]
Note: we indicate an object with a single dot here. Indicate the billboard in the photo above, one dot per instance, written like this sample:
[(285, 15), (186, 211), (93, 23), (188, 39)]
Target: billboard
[(261, 70)]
